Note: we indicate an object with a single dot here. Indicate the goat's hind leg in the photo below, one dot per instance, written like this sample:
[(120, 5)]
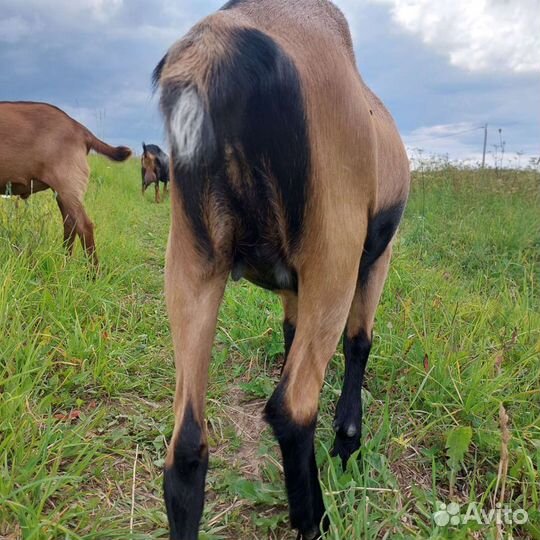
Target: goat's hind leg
[(68, 221), (356, 347), (290, 312), (76, 220), (85, 230), (292, 409), (193, 299)]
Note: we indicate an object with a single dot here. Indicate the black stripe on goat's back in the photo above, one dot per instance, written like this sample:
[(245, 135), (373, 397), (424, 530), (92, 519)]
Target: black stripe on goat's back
[(254, 105), (259, 103), (231, 4), (158, 70), (381, 229)]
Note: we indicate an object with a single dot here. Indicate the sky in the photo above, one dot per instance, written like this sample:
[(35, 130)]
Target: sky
[(443, 68)]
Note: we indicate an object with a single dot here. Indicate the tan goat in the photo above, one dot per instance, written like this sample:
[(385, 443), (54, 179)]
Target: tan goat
[(288, 171), (41, 147)]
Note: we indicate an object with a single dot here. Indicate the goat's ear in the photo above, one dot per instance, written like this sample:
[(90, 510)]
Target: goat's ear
[(144, 148)]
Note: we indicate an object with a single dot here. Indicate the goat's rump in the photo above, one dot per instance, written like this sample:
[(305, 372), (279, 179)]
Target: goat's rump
[(240, 147)]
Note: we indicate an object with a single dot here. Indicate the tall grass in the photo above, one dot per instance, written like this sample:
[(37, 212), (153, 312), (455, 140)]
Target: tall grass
[(86, 373)]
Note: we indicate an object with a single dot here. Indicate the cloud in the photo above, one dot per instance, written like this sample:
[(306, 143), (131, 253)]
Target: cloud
[(484, 35), (445, 139), (94, 58), (446, 130), (101, 10), (14, 29)]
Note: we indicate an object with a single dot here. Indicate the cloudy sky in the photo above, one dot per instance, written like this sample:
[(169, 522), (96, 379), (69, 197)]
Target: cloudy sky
[(444, 68)]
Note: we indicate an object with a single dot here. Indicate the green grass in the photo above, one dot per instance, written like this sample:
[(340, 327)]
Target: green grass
[(86, 373)]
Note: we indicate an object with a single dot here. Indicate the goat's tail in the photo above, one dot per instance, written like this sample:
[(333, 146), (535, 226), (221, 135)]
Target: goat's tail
[(225, 83), (190, 127), (205, 88), (116, 153)]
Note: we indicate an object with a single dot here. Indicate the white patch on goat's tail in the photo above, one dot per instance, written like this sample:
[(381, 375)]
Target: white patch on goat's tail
[(187, 126)]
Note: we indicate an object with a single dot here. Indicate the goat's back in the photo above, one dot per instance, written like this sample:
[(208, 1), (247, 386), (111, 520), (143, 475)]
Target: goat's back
[(34, 137)]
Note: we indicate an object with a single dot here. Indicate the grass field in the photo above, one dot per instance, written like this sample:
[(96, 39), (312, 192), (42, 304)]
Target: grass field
[(86, 374)]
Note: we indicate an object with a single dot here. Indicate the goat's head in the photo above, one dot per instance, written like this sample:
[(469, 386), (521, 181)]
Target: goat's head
[(149, 167)]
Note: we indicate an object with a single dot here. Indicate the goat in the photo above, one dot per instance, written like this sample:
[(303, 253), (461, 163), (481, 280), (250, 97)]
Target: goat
[(42, 147), (154, 168), (288, 171)]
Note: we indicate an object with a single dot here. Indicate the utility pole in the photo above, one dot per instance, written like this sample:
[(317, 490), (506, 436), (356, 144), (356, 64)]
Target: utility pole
[(503, 144), (485, 144)]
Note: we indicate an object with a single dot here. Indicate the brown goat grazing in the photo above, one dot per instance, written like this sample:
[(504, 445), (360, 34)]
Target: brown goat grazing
[(42, 147), (288, 171)]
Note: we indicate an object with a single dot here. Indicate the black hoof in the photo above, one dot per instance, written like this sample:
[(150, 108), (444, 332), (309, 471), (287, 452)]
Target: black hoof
[(315, 534), (345, 446)]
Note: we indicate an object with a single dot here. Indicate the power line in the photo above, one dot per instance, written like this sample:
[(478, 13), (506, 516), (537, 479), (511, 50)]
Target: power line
[(446, 135)]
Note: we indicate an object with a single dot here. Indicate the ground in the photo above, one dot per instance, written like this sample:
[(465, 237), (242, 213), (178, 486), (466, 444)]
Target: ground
[(452, 396)]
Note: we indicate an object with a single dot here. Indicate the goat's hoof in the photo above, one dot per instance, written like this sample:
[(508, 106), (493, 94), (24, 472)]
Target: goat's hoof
[(345, 446), (314, 534)]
